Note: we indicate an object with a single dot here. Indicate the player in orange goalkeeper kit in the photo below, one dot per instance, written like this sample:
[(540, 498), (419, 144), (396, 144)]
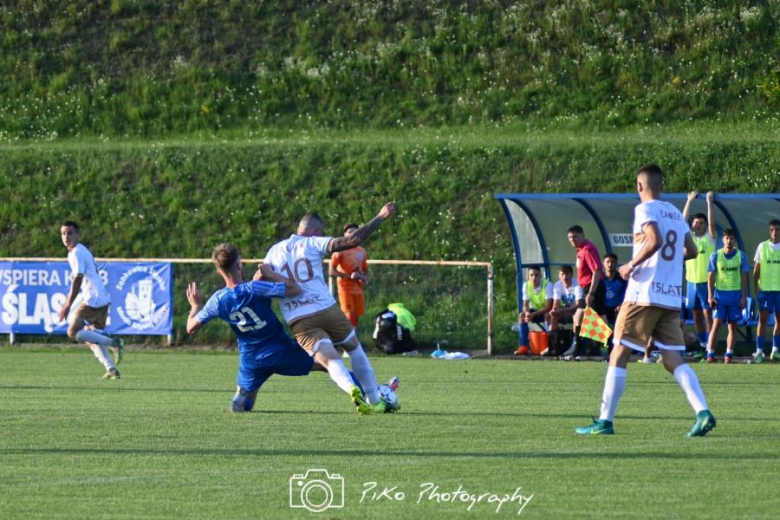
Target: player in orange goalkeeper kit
[(350, 267)]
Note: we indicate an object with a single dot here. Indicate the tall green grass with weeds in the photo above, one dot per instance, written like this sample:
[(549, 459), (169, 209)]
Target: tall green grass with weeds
[(145, 68)]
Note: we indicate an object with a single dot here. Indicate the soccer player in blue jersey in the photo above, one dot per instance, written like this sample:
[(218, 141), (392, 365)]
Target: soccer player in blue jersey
[(264, 347), (727, 287)]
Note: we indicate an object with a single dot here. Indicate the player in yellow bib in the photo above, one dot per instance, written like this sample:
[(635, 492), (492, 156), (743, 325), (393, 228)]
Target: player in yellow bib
[(727, 286), (537, 302), (766, 274), (697, 299)]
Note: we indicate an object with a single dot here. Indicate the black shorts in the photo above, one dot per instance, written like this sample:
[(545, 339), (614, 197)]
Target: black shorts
[(611, 315), (598, 298)]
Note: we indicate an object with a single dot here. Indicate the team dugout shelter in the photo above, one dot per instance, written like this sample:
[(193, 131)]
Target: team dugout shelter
[(539, 224)]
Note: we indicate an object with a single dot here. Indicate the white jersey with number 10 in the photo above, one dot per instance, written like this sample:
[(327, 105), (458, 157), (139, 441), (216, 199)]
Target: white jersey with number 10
[(658, 280), (300, 258)]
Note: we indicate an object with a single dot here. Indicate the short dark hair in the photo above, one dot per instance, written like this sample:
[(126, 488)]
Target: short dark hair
[(566, 269), (225, 256), (650, 169), (701, 216), (310, 217), (576, 229), (774, 222), (535, 268), (729, 233), (70, 223), (350, 226), (613, 256)]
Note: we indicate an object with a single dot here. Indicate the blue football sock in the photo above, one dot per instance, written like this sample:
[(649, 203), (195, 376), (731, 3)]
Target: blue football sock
[(523, 335), (702, 338), (760, 340), (357, 383), (775, 342)]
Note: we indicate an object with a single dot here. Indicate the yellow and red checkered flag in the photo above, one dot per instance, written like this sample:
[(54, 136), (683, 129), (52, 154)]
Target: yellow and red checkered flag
[(594, 327)]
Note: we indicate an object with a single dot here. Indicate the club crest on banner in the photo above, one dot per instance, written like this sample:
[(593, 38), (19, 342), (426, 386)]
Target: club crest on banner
[(144, 301)]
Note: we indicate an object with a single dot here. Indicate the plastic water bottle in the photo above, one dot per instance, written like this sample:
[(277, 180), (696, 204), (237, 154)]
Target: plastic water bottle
[(410, 353), (438, 352), (393, 383)]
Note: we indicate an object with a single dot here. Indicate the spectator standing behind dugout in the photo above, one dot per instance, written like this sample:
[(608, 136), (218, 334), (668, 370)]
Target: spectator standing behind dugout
[(537, 302), (697, 298), (727, 287), (589, 276), (766, 274), (350, 267), (615, 291)]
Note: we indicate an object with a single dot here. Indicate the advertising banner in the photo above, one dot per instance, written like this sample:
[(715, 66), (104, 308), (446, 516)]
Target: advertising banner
[(32, 293)]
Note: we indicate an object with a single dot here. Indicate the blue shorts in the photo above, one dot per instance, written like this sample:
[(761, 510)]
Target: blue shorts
[(255, 368), (728, 313), (697, 296), (769, 301)]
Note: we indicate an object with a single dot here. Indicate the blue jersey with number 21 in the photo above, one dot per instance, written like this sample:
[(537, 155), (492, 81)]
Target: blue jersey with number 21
[(247, 309)]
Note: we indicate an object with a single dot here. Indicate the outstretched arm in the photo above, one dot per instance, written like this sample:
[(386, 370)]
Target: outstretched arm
[(363, 232), (687, 209), (711, 214)]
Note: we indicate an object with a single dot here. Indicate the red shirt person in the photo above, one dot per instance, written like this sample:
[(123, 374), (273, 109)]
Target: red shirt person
[(590, 276)]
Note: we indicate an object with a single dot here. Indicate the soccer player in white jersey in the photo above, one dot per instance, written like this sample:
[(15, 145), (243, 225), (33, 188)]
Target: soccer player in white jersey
[(315, 318), (662, 241), (86, 321)]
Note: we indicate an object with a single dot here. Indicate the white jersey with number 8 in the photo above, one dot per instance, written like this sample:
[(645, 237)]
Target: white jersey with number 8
[(658, 280), (300, 258)]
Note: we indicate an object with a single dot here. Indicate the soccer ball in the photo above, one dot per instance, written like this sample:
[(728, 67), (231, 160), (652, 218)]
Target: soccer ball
[(388, 394)]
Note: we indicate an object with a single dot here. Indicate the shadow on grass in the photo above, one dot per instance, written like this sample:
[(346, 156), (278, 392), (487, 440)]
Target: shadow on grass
[(232, 452), (122, 389)]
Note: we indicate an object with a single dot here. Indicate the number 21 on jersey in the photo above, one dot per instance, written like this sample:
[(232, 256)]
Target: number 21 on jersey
[(247, 320)]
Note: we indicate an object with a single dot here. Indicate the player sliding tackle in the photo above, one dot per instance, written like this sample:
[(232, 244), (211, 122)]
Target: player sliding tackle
[(264, 348), (314, 316)]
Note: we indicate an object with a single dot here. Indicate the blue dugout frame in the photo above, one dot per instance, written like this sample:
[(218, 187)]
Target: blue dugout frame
[(747, 214)]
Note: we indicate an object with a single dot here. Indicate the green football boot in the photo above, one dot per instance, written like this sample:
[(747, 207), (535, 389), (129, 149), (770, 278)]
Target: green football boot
[(705, 422), (356, 396), (599, 427)]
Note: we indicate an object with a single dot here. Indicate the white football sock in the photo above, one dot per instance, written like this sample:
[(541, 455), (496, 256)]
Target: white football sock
[(689, 383), (94, 337), (340, 375), (362, 368), (101, 352), (614, 385)]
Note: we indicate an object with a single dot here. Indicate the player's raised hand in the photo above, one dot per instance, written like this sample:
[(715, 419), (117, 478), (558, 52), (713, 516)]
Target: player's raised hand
[(193, 295), (692, 195), (710, 196), (388, 210)]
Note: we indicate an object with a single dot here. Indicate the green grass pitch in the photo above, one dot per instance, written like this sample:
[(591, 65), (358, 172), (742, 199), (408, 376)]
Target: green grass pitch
[(160, 442)]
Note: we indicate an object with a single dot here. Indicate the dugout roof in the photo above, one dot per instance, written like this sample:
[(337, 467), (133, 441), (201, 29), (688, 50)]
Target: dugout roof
[(538, 223)]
